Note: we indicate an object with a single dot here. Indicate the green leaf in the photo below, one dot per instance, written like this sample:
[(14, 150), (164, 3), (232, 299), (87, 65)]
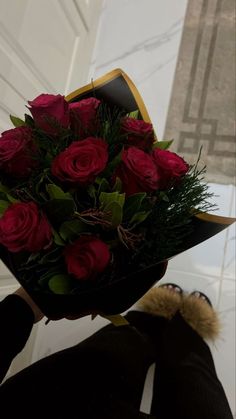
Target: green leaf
[(3, 188), (61, 204), (163, 145), (3, 192), (55, 192), (3, 196), (112, 165), (50, 272), (71, 229), (3, 206), (59, 209), (103, 185), (48, 158), (164, 196), (33, 257), (113, 203), (133, 204), (17, 122), (12, 199), (108, 198), (92, 192), (60, 284), (116, 213), (52, 256), (117, 186), (57, 239), (134, 114), (41, 185), (139, 217), (29, 121)]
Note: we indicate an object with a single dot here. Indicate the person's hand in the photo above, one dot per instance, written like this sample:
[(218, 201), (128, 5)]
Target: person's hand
[(38, 315)]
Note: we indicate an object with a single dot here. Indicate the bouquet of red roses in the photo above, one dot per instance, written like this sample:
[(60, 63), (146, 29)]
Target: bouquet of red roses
[(88, 197)]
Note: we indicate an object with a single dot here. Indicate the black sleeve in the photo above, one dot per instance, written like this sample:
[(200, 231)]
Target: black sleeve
[(16, 322), (186, 384)]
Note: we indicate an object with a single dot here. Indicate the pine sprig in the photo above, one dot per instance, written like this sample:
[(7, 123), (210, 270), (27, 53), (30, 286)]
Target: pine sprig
[(170, 220), (110, 127), (54, 144)]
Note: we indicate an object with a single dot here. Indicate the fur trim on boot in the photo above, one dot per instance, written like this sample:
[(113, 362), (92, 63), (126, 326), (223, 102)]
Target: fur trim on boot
[(160, 301), (201, 317)]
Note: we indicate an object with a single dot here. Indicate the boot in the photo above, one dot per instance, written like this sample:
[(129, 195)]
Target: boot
[(196, 309)]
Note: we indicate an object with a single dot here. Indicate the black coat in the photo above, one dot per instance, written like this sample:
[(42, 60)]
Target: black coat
[(103, 376)]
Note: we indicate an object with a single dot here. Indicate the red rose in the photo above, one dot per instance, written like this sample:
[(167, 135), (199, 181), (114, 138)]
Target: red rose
[(170, 167), (139, 133), (18, 151), (50, 112), (137, 171), (81, 162), (24, 227), (83, 117), (87, 257)]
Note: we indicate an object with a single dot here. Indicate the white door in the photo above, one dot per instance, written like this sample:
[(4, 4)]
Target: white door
[(45, 47)]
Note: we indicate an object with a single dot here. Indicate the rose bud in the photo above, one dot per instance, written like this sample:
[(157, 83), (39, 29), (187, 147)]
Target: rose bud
[(84, 117), (170, 167), (50, 112), (139, 133)]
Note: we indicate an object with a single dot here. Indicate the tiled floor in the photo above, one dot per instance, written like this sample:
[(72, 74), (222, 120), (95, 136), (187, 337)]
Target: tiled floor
[(143, 37)]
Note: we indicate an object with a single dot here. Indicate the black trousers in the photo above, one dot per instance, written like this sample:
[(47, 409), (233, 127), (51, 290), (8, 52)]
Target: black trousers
[(103, 376)]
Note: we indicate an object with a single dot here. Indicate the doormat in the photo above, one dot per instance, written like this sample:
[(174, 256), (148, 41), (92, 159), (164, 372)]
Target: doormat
[(202, 107)]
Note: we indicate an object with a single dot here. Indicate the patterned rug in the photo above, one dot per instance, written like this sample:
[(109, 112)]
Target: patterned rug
[(202, 107)]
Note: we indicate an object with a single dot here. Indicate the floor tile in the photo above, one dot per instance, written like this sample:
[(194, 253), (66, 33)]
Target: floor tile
[(59, 335)]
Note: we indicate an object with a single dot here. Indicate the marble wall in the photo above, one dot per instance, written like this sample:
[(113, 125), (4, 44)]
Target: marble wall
[(142, 37)]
